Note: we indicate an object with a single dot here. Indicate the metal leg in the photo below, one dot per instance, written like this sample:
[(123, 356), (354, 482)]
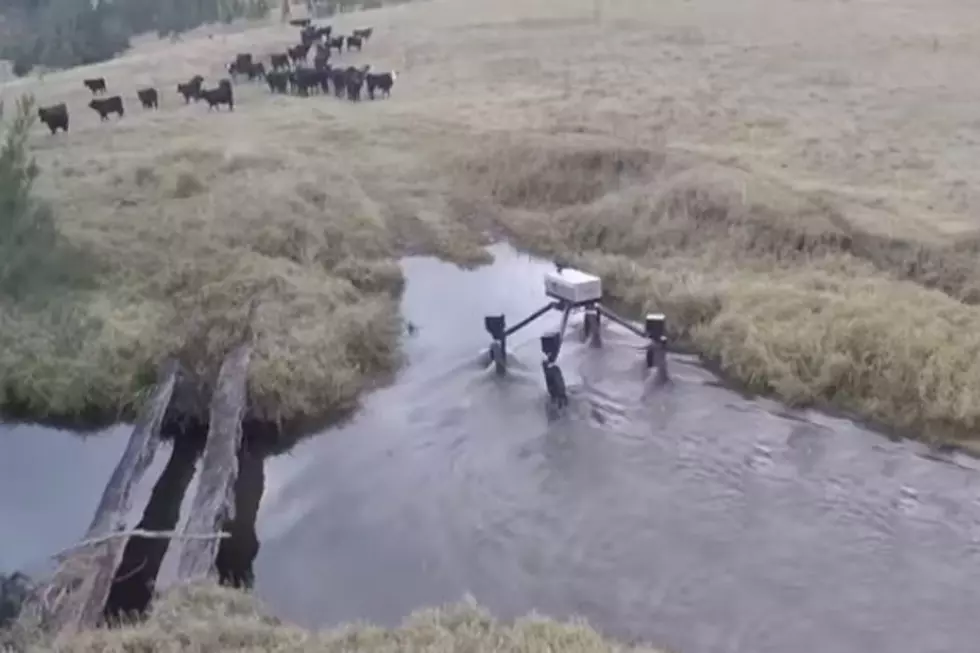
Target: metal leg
[(555, 382), (592, 333), (661, 361), (496, 326)]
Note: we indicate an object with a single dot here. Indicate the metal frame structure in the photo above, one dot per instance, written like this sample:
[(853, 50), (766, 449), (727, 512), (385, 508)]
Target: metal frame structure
[(653, 331)]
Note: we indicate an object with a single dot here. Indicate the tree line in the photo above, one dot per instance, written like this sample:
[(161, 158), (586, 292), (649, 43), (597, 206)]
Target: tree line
[(64, 33)]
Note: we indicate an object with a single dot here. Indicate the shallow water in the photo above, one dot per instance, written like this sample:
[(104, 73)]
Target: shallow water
[(685, 515), (51, 481)]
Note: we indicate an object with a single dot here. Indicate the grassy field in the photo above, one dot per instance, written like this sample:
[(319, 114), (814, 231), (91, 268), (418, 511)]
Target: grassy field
[(208, 619), (799, 199)]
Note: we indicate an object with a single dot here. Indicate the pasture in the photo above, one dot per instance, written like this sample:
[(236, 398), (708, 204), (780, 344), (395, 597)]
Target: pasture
[(793, 183)]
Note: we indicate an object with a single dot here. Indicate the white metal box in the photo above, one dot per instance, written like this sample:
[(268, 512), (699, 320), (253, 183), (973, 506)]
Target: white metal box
[(573, 286)]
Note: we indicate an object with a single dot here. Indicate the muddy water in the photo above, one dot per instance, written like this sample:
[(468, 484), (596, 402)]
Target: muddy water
[(685, 515)]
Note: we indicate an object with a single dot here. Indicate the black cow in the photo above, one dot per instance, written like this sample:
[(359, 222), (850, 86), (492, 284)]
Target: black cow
[(324, 32), (54, 116), (191, 88), (242, 65), (96, 85), (321, 58), (278, 81), (280, 61), (339, 78), (305, 80), (253, 70), (309, 36), (353, 41), (215, 97), (336, 42), (380, 81), (364, 33), (355, 80), (298, 53), (300, 22), (323, 76), (105, 106), (148, 97)]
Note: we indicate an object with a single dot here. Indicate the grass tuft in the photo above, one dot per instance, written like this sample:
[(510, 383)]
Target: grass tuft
[(206, 618)]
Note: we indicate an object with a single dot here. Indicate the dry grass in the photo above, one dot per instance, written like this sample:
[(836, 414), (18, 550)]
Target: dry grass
[(793, 182), (206, 619)]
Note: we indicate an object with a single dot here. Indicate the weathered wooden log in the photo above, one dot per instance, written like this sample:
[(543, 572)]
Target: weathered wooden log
[(136, 576), (213, 504), (75, 596)]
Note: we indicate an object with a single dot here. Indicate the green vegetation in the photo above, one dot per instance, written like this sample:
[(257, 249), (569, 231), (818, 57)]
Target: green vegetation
[(208, 619), (27, 230), (64, 33)]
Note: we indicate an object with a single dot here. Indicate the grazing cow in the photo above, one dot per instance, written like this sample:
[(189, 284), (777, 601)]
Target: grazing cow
[(242, 65), (148, 98), (300, 22), (355, 80), (257, 71), (54, 116), (321, 58), (254, 70), (324, 32), (105, 106), (96, 85), (364, 33), (323, 75), (339, 78), (353, 41), (215, 97), (191, 89), (298, 53), (278, 81), (280, 61), (380, 81), (305, 80), (309, 36), (336, 42)]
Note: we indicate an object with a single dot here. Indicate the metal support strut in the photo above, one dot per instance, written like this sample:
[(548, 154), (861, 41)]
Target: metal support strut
[(496, 326), (653, 331)]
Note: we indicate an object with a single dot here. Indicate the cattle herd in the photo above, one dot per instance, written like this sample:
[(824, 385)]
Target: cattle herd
[(288, 72)]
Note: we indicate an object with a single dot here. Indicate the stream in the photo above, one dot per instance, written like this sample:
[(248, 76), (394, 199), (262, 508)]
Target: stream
[(687, 515)]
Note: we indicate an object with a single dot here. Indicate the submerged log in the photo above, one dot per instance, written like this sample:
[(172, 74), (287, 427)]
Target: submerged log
[(74, 598), (214, 504)]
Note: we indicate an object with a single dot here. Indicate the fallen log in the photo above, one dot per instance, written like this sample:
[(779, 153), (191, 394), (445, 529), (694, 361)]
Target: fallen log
[(214, 501), (75, 596)]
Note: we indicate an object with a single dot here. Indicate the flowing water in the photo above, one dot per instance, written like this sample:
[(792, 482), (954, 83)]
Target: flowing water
[(685, 515)]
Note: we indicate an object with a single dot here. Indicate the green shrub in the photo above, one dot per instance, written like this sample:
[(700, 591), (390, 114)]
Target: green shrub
[(27, 228)]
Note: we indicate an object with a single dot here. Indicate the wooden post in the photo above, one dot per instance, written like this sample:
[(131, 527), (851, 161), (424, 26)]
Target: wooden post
[(213, 504), (75, 597)]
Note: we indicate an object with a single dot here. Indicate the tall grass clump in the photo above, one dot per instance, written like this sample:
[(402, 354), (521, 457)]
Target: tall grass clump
[(27, 229), (210, 619), (773, 286)]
